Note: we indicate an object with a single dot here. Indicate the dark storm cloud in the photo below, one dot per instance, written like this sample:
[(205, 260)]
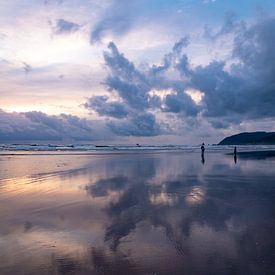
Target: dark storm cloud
[(130, 83), (133, 87), (219, 88), (247, 90), (139, 125), (180, 103), (133, 93), (243, 91), (104, 108), (231, 94), (39, 126), (65, 27), (175, 58)]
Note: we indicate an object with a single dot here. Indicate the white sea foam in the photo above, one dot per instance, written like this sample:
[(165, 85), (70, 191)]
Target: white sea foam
[(113, 148)]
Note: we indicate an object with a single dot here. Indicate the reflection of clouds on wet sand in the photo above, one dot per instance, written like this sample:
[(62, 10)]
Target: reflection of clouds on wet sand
[(163, 198), (196, 196), (150, 213)]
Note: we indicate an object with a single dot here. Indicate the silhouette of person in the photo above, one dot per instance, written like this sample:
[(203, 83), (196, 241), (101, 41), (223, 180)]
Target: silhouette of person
[(202, 153), (202, 148)]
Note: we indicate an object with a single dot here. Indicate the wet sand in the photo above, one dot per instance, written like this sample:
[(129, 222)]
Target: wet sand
[(146, 213), (256, 155)]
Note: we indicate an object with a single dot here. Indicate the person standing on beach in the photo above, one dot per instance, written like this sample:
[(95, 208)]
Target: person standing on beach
[(202, 153), (202, 148)]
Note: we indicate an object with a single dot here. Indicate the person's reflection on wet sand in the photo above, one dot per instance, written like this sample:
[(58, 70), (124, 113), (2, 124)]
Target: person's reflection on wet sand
[(202, 158), (235, 154)]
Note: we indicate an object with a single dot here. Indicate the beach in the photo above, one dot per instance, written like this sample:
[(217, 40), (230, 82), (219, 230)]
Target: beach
[(137, 212)]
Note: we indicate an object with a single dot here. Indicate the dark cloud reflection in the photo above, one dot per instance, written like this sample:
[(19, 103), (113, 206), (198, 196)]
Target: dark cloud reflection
[(224, 201), (153, 213)]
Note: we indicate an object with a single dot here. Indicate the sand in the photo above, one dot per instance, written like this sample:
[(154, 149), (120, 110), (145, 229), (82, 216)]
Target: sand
[(146, 213)]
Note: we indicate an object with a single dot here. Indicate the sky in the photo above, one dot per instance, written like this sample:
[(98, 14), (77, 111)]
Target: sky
[(136, 71)]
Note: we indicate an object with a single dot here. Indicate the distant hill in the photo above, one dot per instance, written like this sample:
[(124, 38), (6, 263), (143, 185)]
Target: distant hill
[(250, 138)]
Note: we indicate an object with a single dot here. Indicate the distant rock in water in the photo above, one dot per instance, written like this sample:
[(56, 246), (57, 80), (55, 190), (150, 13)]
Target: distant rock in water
[(264, 138)]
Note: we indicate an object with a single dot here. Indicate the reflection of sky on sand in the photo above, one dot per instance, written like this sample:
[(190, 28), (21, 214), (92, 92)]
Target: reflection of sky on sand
[(196, 196), (145, 213), (163, 198)]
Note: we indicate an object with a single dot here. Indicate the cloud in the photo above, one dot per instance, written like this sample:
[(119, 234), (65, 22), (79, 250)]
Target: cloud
[(231, 94), (180, 103), (131, 86), (174, 58), (230, 25), (117, 19), (234, 91), (39, 126), (134, 89), (65, 27), (246, 91), (125, 79), (104, 108), (49, 2), (139, 125)]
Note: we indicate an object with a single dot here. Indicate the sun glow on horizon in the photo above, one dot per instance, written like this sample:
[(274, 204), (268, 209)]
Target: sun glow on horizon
[(50, 109)]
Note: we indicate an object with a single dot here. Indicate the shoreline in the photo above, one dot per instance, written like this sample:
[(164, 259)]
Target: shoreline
[(243, 154)]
